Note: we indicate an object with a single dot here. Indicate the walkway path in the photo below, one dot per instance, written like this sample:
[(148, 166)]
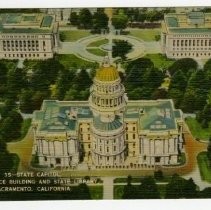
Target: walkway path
[(108, 188), (140, 48), (192, 149)]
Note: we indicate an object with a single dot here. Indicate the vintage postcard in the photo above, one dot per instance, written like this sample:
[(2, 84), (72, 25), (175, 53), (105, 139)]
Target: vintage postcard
[(105, 103)]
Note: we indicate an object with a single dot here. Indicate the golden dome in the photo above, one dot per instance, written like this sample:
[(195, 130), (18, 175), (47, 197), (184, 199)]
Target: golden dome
[(107, 74)]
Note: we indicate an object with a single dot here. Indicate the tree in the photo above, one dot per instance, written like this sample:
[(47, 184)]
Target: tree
[(209, 152), (120, 20), (6, 160), (44, 74), (158, 175), (130, 191), (85, 18), (82, 192), (82, 80), (207, 66), (189, 101), (38, 98), (141, 17), (200, 80), (153, 78), (100, 21), (9, 105), (176, 95), (160, 93), (140, 63), (64, 82), (178, 81), (121, 48), (11, 126), (205, 193), (142, 79), (74, 19), (71, 95), (179, 187), (26, 103), (148, 189), (3, 79), (204, 116), (154, 15), (16, 81), (184, 64)]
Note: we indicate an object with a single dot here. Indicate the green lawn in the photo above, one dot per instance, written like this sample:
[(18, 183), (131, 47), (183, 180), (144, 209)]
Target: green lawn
[(145, 34), (197, 130), (124, 180), (73, 35), (205, 170), (160, 61), (98, 43), (96, 192), (97, 51), (70, 60)]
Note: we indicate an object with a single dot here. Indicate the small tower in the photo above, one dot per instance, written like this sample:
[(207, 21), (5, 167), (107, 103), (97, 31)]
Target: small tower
[(107, 101)]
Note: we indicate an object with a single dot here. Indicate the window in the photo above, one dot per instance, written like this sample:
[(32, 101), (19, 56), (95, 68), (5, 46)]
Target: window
[(134, 136), (114, 148), (58, 160), (157, 159), (134, 128), (107, 149), (45, 158), (89, 146), (134, 144), (173, 42), (126, 136)]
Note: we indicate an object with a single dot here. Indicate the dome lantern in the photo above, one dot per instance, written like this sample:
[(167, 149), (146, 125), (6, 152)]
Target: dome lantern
[(107, 72)]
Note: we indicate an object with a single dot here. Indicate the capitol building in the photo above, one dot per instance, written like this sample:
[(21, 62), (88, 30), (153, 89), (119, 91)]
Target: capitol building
[(108, 130)]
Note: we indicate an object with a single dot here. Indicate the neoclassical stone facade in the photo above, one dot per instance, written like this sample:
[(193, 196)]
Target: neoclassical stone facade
[(28, 36), (186, 35), (108, 130)]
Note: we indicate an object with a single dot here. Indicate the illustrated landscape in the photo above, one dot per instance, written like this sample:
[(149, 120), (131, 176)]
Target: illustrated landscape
[(105, 103)]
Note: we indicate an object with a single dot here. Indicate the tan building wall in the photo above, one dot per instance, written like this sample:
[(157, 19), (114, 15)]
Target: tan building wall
[(30, 46)]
